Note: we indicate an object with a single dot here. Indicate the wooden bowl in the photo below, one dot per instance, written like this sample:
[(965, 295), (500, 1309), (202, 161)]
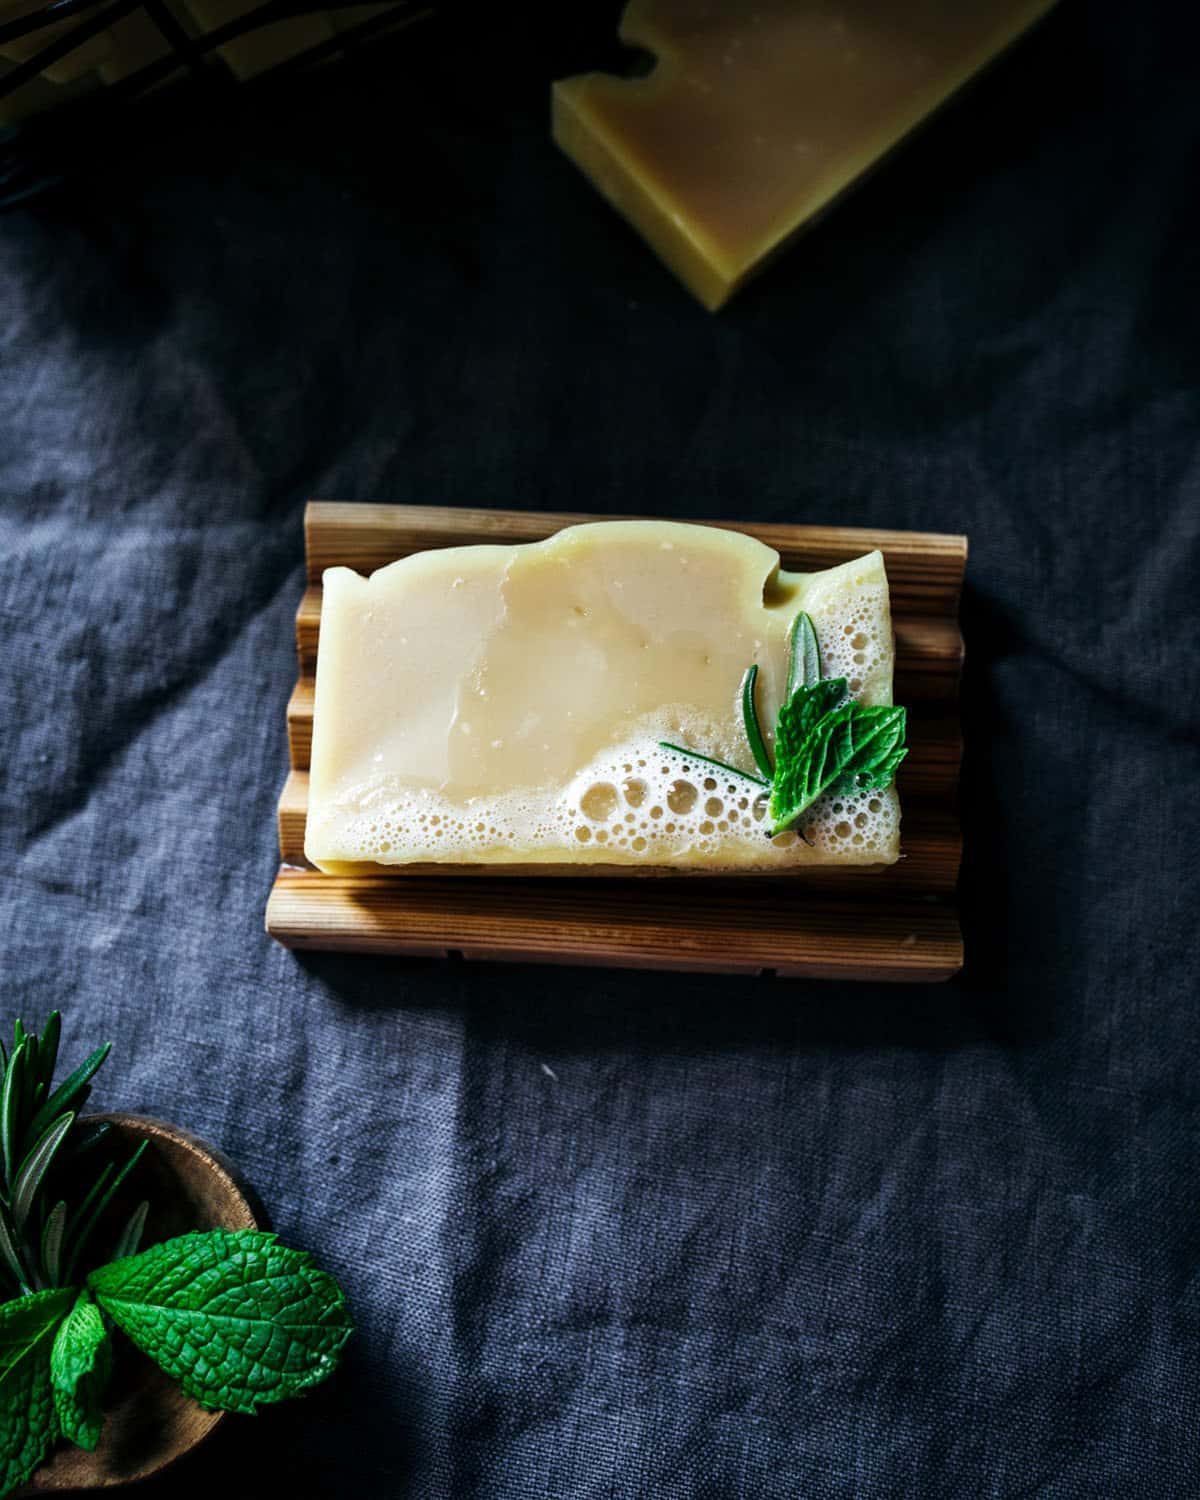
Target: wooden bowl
[(149, 1422)]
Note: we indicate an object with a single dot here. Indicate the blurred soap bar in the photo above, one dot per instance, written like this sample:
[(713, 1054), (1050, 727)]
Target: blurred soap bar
[(265, 46), (79, 61), (136, 42), (758, 113)]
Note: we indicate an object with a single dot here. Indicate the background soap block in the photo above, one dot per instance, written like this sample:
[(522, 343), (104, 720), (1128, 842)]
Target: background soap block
[(136, 43), (79, 61), (757, 116)]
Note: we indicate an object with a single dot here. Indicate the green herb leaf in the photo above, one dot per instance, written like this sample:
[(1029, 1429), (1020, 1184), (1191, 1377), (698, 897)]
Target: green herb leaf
[(11, 1134), (754, 734), (84, 1138), (28, 1422), (804, 655), (235, 1317), (131, 1236), (71, 1093), (52, 1244), (33, 1079), (79, 1240), (80, 1213), (48, 1051), (804, 710), (881, 774), (709, 760), (80, 1366), (33, 1169), (10, 1252), (852, 747)]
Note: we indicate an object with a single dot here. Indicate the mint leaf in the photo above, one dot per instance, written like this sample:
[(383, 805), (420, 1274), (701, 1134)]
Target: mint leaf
[(235, 1317), (28, 1424), (804, 710), (80, 1364), (850, 747), (881, 774)]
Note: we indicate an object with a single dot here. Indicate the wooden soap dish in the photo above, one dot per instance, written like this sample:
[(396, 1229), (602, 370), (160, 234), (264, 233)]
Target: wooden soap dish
[(899, 923), (149, 1422)]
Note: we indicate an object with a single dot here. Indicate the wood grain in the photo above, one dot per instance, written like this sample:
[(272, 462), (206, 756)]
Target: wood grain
[(741, 927), (149, 1422), (894, 923)]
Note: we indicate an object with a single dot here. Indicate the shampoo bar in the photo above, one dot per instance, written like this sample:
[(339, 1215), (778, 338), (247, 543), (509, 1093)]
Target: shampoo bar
[(505, 705), (758, 113)]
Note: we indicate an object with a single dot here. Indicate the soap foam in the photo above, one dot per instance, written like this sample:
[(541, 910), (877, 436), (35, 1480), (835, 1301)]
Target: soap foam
[(638, 804), (854, 630)]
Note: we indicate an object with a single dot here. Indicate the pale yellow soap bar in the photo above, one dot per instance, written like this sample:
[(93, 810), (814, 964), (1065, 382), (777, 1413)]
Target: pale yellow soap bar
[(504, 705), (759, 113)]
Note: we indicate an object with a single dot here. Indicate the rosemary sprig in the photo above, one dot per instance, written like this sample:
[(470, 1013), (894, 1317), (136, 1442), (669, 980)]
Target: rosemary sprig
[(46, 1159), (804, 655), (711, 760), (754, 734)]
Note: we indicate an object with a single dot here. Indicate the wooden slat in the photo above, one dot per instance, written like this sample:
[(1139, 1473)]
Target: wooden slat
[(896, 923), (925, 569), (929, 659), (931, 842), (300, 724), (292, 817), (308, 628), (930, 770), (753, 927)]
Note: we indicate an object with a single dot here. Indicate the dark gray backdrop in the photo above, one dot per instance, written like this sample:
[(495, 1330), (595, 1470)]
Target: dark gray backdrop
[(610, 1234)]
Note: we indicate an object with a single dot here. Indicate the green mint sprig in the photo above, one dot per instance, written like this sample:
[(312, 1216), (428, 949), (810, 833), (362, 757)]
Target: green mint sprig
[(270, 1324), (80, 1364), (28, 1419), (824, 740), (236, 1318)]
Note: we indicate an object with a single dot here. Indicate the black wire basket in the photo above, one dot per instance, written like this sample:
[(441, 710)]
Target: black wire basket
[(75, 73)]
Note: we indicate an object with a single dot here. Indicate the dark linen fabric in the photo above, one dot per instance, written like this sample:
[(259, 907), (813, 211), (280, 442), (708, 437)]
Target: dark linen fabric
[(618, 1234)]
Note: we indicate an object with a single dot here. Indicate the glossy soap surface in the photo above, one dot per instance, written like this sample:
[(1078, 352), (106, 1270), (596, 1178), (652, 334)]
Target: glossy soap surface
[(758, 113), (505, 704)]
